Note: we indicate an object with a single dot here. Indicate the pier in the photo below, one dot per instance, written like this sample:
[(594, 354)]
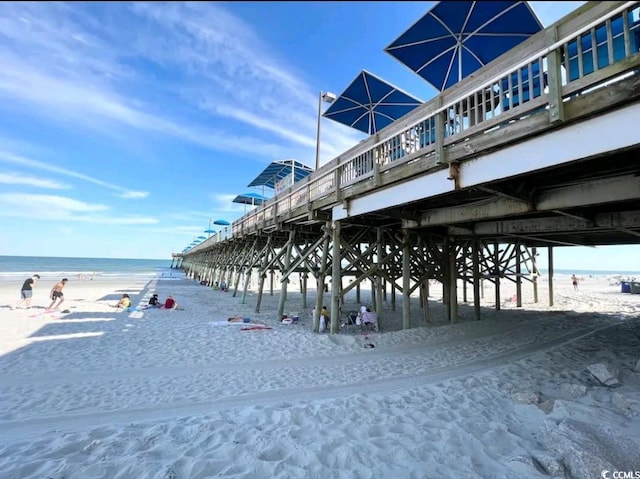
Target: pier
[(537, 150)]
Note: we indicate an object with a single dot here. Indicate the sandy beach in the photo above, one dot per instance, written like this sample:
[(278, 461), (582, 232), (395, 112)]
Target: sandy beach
[(174, 394)]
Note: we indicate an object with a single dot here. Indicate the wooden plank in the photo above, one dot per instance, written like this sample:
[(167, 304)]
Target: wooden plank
[(514, 114), (603, 99), (509, 134)]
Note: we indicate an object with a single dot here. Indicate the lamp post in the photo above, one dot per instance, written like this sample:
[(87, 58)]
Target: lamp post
[(327, 97)]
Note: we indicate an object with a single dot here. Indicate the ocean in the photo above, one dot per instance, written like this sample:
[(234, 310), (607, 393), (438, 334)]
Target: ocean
[(18, 267), (587, 272)]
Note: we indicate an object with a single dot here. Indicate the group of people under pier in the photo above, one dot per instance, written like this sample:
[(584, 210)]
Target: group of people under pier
[(154, 302), (366, 317)]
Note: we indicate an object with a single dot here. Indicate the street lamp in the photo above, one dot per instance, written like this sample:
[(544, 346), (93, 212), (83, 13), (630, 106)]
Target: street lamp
[(327, 97)]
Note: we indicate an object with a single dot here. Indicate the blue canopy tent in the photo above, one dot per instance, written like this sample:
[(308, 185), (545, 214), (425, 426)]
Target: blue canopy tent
[(253, 199), (369, 104), (454, 39), (279, 170), (250, 199)]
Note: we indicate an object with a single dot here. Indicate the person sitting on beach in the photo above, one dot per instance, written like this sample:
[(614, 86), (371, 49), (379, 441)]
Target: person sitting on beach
[(124, 303), (369, 317), (170, 303), (154, 301), (56, 294)]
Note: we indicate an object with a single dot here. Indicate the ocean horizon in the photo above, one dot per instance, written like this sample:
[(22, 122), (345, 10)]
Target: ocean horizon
[(14, 267), (18, 266)]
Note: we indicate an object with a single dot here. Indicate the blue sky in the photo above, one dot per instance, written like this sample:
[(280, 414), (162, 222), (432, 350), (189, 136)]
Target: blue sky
[(126, 127)]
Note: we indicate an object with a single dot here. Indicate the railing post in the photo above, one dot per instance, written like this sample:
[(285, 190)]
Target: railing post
[(554, 73), (439, 136), (376, 163)]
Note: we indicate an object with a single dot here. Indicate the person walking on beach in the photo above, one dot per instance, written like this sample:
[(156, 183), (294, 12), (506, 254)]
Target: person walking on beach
[(57, 295), (26, 292), (574, 281)]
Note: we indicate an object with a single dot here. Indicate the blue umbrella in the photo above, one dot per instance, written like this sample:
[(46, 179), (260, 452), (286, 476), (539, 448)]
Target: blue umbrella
[(369, 104), (221, 222), (277, 170), (209, 231), (454, 39), (250, 199), (201, 237)]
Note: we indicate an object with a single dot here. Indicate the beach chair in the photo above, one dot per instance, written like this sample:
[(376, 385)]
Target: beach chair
[(350, 324)]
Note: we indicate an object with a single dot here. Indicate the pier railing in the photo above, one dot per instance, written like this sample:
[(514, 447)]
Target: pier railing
[(595, 44)]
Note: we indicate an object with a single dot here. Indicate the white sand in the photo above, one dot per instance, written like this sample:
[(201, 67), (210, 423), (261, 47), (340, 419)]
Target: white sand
[(164, 394)]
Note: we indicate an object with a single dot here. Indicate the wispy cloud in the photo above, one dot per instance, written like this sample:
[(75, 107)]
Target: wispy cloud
[(62, 208), (50, 202), (213, 67), (12, 178), (8, 157), (252, 85)]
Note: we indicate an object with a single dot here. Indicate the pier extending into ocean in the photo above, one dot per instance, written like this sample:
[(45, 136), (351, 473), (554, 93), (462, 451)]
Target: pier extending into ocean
[(538, 149)]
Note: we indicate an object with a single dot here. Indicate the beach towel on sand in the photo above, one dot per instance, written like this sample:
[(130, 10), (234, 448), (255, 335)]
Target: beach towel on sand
[(225, 323), (255, 327)]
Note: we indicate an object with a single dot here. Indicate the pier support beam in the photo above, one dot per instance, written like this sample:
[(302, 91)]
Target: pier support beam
[(335, 279), (497, 273), (475, 261), (534, 263), (379, 278), (320, 274), (453, 280), (550, 275), (285, 281), (304, 290), (406, 281), (263, 272), (518, 276)]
